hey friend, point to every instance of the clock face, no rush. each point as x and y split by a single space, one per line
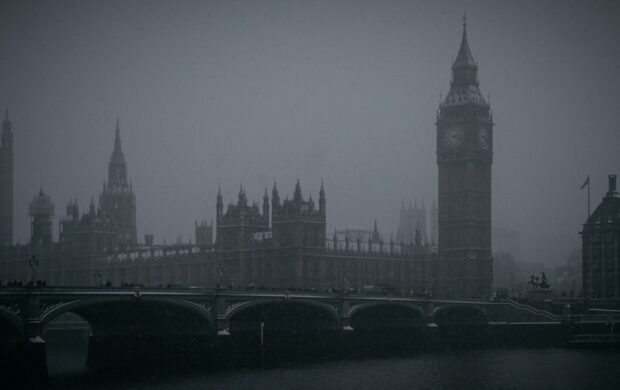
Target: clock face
453 137
483 138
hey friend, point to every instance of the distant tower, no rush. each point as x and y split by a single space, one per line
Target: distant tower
238 227
117 201
6 183
296 223
434 225
464 157
322 201
266 204
411 218
601 247
41 210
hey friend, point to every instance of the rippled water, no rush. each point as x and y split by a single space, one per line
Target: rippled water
474 369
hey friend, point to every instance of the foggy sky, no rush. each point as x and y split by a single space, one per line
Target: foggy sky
231 92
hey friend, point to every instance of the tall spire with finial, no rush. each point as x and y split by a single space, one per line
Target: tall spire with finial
117 168
117 137
464 68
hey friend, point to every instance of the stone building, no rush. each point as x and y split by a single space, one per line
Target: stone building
41 210
297 222
464 157
412 219
111 225
202 232
238 225
601 247
89 233
6 182
118 201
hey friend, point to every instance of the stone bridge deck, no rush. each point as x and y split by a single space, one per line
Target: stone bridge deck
29 309
116 315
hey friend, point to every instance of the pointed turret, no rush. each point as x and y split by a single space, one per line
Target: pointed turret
464 56
219 207
266 203
322 201
242 198
464 69
117 168
275 198
376 237
117 138
297 197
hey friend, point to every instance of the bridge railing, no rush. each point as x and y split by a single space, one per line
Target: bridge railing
531 310
95 289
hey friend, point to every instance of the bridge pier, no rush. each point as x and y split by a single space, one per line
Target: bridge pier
345 319
220 316
429 310
35 373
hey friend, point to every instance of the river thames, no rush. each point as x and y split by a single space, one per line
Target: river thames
544 368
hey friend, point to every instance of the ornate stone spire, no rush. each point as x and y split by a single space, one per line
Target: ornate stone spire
117 138
117 167
464 57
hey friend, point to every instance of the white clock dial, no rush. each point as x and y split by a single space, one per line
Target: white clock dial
454 137
483 138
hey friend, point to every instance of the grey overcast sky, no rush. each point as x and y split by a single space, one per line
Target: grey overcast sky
235 92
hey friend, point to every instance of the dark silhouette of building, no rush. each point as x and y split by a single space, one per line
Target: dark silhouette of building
601 247
110 226
297 222
89 233
237 227
464 157
41 210
6 183
203 233
117 201
411 220
434 226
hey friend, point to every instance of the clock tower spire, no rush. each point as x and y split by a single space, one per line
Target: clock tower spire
464 158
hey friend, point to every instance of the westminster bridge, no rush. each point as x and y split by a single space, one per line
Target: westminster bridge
122 316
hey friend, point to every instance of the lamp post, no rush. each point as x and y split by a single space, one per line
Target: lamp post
33 263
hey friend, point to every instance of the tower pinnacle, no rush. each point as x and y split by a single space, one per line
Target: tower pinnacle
117 137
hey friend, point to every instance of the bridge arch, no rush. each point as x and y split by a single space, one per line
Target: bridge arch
388 327
242 306
279 329
11 324
405 307
78 305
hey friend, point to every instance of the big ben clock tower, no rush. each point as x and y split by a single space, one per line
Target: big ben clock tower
464 157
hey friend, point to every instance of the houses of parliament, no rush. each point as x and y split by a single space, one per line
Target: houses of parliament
281 242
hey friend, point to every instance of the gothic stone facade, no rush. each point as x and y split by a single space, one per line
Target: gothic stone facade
464 157
112 225
601 247
6 183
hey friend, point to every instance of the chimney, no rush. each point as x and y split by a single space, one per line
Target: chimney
612 185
